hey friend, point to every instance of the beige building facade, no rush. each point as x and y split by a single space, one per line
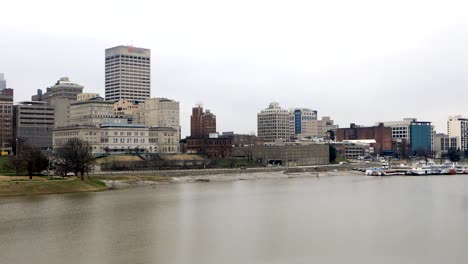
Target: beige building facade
124 107
273 124
319 128
159 112
86 96
120 138
93 113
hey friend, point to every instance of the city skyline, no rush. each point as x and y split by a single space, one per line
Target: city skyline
372 69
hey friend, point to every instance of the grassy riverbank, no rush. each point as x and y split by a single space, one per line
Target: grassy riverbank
21 185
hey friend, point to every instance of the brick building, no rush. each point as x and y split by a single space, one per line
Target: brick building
211 147
203 136
381 134
202 123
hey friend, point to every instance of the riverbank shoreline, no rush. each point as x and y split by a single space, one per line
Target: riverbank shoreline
116 182
21 185
39 185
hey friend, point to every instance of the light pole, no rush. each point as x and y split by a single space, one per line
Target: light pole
16 153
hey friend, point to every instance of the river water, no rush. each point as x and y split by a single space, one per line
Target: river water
335 219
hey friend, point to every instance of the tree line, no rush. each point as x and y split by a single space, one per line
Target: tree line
74 156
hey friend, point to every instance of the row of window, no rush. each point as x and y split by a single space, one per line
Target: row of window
127 57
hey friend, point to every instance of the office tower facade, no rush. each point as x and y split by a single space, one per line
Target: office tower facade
2 81
202 123
273 123
421 136
6 119
457 126
128 73
34 122
300 119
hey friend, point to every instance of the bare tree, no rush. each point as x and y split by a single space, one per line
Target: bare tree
33 160
75 155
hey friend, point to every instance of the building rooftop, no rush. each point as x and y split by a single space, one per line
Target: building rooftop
32 103
123 125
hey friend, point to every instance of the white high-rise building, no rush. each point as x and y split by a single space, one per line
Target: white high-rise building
2 81
273 123
128 73
457 126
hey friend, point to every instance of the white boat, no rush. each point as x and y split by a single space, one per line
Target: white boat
420 170
375 172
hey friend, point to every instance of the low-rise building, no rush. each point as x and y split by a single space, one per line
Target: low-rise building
442 143
381 134
212 146
120 138
353 149
33 122
241 140
286 154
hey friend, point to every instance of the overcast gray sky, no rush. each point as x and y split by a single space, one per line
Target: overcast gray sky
356 61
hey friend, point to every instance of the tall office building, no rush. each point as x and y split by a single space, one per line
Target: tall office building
202 123
128 73
300 119
273 123
457 126
33 122
6 119
2 81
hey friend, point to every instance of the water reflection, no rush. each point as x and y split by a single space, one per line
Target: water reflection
301 220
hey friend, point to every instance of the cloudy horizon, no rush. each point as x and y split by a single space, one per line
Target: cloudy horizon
359 62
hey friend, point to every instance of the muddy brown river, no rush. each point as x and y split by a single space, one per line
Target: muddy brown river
333 219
